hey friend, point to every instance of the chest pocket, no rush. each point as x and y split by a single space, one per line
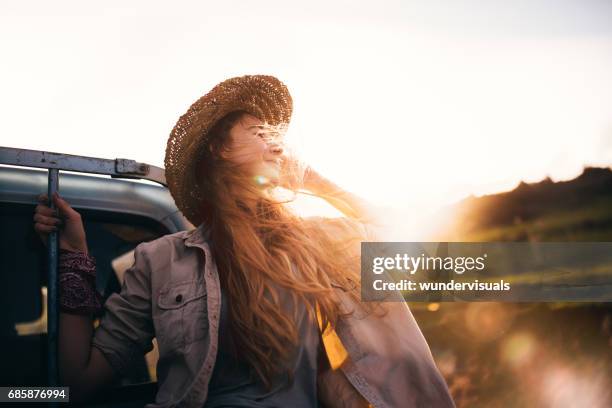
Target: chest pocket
182 314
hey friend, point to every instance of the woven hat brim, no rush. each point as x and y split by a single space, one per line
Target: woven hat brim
263 96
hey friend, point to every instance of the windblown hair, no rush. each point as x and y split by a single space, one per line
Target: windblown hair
260 248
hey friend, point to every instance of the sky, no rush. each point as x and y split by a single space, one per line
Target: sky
411 104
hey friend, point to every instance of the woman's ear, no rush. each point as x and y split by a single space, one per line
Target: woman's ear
218 151
223 152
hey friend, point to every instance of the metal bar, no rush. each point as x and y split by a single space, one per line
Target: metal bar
52 288
119 168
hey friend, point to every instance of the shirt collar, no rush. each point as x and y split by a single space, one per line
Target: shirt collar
198 236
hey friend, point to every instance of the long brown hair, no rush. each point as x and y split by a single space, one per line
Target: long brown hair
259 248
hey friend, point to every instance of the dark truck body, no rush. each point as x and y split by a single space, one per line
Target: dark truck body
118 215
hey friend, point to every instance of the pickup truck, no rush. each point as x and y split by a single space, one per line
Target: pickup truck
118 215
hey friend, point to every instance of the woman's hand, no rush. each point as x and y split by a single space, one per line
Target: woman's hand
65 220
291 171
295 174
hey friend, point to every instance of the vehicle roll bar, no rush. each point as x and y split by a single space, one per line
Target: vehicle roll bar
54 162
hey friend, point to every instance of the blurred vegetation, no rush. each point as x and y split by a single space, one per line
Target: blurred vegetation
591 222
567 211
527 354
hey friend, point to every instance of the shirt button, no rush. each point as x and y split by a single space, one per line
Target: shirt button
179 298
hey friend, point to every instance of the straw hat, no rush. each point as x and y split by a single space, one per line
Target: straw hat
263 96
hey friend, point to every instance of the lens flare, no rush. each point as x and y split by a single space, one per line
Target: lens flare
487 321
262 180
564 387
518 349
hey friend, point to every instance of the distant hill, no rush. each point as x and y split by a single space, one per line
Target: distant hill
578 209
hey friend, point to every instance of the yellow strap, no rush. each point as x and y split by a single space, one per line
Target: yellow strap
336 353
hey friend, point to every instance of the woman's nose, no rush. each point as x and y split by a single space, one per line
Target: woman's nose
275 148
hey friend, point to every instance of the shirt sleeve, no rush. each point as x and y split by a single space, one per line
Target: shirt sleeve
126 328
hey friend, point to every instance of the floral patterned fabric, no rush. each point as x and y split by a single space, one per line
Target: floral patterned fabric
77 284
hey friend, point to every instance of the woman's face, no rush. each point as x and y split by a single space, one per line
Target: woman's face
252 148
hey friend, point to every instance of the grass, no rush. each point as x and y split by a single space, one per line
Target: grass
589 223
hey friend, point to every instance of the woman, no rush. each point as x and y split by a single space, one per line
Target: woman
257 307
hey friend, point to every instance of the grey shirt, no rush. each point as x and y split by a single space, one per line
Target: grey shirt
172 292
232 385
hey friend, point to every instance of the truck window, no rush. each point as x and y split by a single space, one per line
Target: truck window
23 282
